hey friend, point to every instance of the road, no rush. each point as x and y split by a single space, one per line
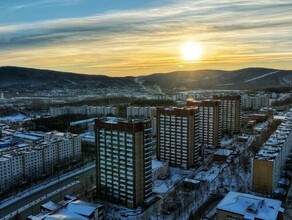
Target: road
34 196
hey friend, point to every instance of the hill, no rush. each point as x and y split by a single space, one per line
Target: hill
249 78
37 78
47 80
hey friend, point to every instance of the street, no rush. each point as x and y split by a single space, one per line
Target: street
22 200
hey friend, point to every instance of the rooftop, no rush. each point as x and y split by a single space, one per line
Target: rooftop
250 206
273 146
70 210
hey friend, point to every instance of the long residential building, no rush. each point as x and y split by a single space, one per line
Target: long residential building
210 121
178 136
231 112
101 111
269 162
255 101
25 162
124 161
140 112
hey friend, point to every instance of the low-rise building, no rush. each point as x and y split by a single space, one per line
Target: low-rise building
69 208
239 206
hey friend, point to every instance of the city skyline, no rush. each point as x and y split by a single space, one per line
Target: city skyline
137 37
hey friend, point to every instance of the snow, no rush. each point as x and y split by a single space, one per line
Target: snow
212 173
223 152
176 175
191 181
262 76
82 208
241 203
50 206
279 117
88 136
14 118
42 186
259 127
157 164
85 121
66 214
163 186
114 211
226 141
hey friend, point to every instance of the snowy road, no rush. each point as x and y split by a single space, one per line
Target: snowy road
38 200
29 196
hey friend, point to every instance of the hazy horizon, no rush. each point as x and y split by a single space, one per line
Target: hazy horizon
132 38
146 74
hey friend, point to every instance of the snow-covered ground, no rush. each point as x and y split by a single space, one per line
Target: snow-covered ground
176 175
163 186
114 211
211 174
226 141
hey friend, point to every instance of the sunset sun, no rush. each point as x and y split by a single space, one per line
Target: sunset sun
191 51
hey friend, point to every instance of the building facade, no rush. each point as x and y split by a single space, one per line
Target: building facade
26 162
124 161
269 162
140 112
231 112
178 136
255 101
210 120
101 111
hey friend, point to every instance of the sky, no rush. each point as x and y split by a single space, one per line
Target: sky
138 37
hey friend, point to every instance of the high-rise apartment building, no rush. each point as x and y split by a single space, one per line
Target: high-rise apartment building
178 138
124 161
231 112
210 121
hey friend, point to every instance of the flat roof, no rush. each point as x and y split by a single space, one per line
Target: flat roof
250 206
223 152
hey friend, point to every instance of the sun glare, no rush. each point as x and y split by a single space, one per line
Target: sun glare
191 51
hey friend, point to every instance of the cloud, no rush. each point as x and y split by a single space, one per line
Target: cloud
45 3
231 32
